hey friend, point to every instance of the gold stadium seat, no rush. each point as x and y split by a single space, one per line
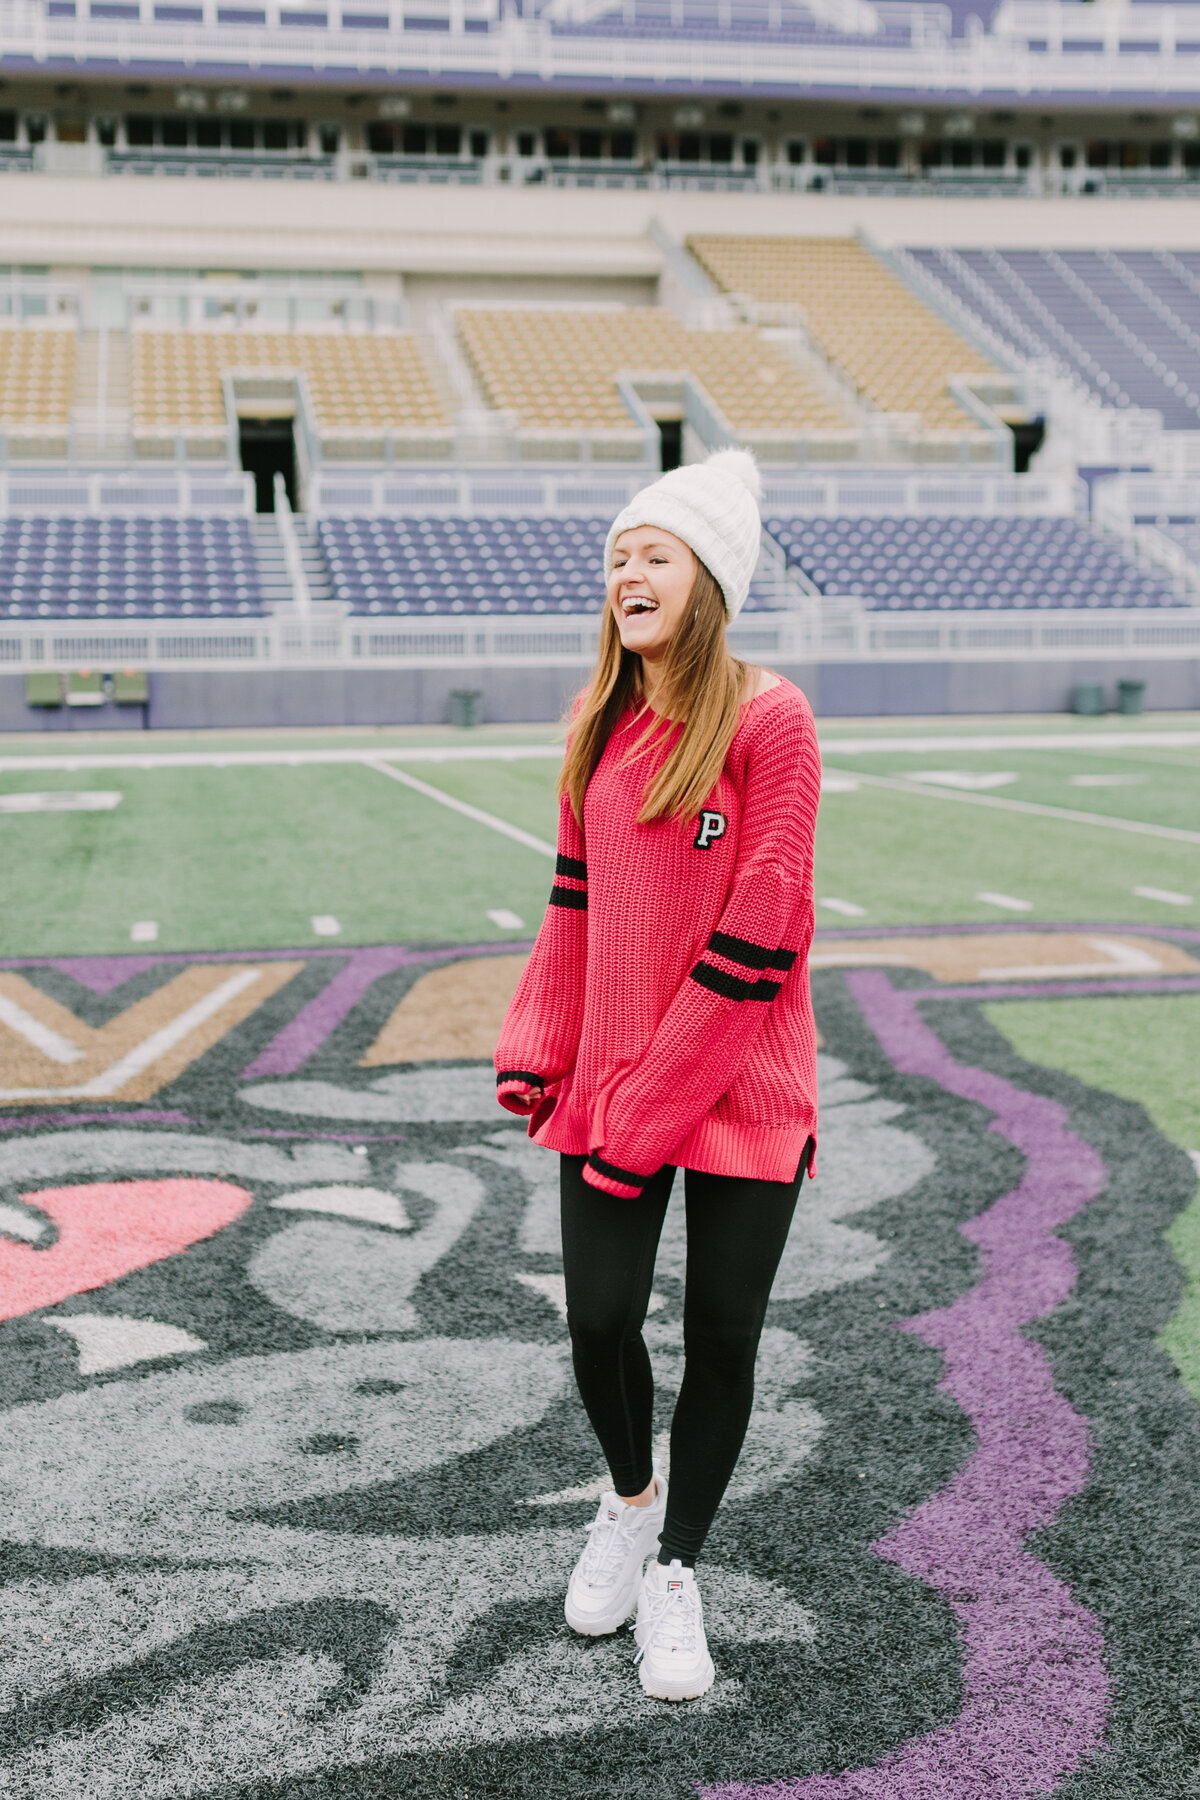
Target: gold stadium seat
37 376
557 369
896 352
375 383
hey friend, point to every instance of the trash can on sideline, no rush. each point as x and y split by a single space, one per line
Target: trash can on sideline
465 707
1131 696
1087 697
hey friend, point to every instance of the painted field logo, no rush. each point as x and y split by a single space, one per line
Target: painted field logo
713 825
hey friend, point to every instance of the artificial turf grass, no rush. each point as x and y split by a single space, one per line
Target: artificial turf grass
1143 1048
243 858
1129 1544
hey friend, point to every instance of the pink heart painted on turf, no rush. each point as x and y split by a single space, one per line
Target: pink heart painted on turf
107 1229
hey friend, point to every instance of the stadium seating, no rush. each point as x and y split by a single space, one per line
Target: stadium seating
363 382
1125 324
896 352
37 376
127 567
940 564
557 369
431 565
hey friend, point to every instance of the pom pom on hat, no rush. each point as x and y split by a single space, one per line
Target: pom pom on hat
713 507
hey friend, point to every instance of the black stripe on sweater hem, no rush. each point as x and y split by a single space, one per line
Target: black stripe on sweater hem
571 865
565 896
750 954
520 1075
734 987
625 1176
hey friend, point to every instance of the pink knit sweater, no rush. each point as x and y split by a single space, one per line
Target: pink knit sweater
665 1008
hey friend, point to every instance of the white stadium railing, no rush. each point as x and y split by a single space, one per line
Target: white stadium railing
1036 47
828 630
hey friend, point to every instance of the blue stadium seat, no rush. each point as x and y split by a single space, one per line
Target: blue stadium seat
433 565
120 567
1126 325
976 564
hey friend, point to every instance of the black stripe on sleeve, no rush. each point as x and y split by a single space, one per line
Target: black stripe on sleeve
565 896
520 1075
571 865
614 1174
734 987
750 954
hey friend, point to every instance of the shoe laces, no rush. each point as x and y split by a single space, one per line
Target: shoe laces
674 1622
607 1546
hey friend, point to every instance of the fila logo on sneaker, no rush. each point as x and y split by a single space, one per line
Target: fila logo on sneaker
712 826
673 1587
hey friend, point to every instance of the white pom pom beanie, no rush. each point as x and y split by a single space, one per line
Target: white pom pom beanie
713 507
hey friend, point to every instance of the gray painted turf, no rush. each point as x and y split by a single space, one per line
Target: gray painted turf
302 1562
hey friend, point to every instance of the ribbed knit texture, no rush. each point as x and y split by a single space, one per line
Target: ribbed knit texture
665 1008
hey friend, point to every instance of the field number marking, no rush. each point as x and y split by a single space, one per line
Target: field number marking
970 782
847 908
902 784
1008 902
325 925
144 931
505 919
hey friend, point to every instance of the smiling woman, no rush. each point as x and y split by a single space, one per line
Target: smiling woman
664 1022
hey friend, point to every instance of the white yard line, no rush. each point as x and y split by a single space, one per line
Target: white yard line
899 784
51 1043
452 753
282 759
110 1080
1029 740
468 812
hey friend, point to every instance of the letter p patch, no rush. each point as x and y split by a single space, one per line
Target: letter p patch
712 827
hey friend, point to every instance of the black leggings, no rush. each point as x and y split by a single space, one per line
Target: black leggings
736 1230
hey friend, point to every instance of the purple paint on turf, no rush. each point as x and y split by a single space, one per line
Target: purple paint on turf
33 1120
102 973
1051 990
1034 1681
339 1137
291 1049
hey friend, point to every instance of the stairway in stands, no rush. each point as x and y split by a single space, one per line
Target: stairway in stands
272 561
100 415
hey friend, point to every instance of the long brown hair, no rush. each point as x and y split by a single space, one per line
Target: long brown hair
701 690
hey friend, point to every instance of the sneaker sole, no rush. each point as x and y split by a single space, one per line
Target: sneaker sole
679 1690
603 1624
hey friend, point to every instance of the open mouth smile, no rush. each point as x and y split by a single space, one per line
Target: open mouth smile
638 603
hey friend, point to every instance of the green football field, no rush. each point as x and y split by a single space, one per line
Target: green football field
917 822
292 1468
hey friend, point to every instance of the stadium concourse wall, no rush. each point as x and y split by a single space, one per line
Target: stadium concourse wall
496 241
203 699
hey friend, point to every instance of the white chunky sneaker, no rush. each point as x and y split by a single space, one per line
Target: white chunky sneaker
672 1659
603 1589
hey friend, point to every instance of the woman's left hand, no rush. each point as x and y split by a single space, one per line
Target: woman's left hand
521 1097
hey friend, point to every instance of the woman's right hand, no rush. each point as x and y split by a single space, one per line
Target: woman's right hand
520 1096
